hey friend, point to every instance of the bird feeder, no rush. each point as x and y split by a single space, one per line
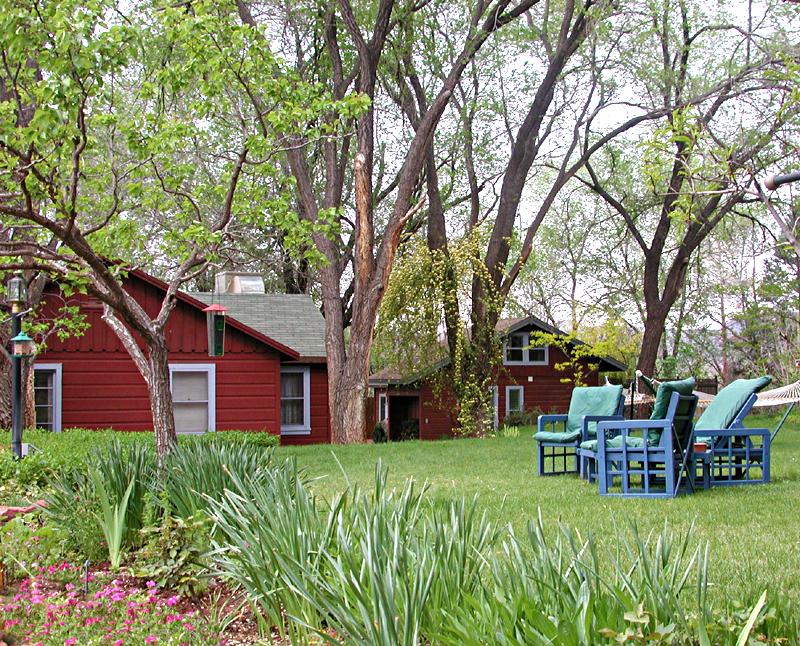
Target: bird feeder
22 346
215 324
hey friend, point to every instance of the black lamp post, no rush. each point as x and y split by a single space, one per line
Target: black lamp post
17 297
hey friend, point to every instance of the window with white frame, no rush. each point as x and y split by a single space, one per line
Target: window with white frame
517 351
515 399
47 396
296 400
383 407
193 388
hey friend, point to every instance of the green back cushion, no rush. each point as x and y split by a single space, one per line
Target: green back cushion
728 402
663 395
594 400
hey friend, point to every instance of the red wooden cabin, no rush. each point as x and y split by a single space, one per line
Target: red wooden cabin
272 377
526 381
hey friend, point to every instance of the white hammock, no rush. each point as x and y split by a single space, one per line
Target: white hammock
780 396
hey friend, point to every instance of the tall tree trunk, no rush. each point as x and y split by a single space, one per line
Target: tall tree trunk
154 368
651 341
158 388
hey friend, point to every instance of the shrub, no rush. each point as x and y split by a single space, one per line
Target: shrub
75 502
173 555
518 418
263 439
379 433
409 430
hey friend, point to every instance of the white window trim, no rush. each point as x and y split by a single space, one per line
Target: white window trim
384 400
305 427
57 369
526 341
211 370
521 398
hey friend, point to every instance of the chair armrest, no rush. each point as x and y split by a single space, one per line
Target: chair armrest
623 428
587 419
731 432
633 424
550 419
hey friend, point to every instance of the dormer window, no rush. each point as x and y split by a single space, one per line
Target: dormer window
516 351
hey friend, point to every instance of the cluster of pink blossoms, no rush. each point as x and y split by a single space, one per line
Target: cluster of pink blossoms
115 612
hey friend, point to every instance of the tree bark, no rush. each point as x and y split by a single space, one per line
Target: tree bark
158 388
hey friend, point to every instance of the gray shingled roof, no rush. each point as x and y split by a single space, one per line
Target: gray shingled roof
290 319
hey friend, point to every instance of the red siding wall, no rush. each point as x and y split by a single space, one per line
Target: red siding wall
320 428
102 388
545 392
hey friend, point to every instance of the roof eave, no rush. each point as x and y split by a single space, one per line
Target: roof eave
233 322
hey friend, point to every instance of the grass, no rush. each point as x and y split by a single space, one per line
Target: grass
753 530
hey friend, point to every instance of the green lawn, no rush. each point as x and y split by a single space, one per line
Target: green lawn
754 531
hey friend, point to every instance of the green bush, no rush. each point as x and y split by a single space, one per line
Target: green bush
379 433
173 555
518 418
74 501
263 439
60 452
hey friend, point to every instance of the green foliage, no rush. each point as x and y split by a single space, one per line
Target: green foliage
173 555
518 418
112 516
199 472
581 358
103 497
263 439
61 452
425 291
379 433
397 567
27 545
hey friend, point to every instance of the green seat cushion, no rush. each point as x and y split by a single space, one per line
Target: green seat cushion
728 402
561 438
616 443
592 400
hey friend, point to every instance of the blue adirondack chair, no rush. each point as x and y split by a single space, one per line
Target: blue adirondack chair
647 458
587 449
558 436
734 454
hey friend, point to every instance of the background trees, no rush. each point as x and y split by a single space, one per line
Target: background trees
574 160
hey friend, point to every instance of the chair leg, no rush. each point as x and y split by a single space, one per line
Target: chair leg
540 461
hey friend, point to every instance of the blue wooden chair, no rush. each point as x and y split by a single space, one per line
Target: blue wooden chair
734 454
647 458
587 449
558 436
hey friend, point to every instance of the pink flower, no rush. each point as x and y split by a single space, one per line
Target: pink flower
172 601
150 639
151 584
70 641
117 643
